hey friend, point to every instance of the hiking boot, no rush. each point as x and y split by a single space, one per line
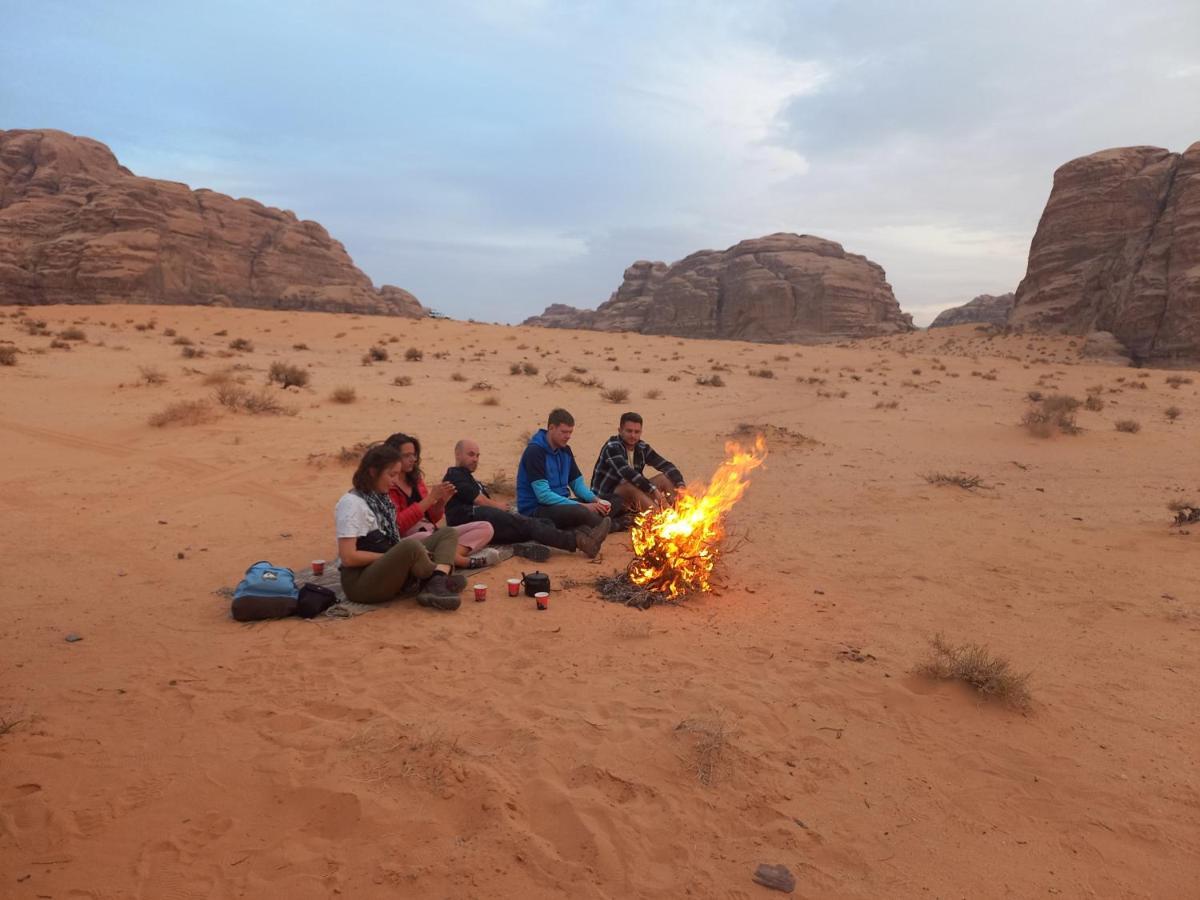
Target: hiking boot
589 540
437 592
532 550
490 556
457 582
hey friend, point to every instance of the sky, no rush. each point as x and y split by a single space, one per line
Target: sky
496 157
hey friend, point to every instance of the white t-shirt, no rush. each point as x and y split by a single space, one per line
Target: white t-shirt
352 517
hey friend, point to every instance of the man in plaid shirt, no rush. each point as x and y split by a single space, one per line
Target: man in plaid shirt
618 470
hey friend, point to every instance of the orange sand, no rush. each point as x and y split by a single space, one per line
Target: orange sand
501 752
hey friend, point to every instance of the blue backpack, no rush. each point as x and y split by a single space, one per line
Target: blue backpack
267 592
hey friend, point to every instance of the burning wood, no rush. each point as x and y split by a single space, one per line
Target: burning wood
677 546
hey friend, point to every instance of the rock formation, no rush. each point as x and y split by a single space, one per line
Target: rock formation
78 227
779 288
986 309
1118 249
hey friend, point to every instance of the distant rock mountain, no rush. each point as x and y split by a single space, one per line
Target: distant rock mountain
1118 250
78 227
986 309
779 288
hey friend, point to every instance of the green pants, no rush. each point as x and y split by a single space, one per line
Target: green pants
414 558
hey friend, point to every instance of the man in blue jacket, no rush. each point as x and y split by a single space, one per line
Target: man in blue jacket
548 476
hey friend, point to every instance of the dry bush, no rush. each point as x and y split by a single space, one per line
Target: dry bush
288 375
378 353
1139 385
219 377
242 345
966 482
151 376
974 665
653 394
1176 381
491 400
301 346
182 341
184 412
1128 426
59 345
710 740
1171 412
8 355
189 352
672 378
343 394
501 484
762 373
482 386
414 354
402 380
261 403
1056 412
615 395
528 368
1093 403
72 334
887 404
1187 512
710 380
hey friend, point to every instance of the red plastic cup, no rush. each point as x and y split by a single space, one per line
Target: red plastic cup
480 593
514 586
543 600
318 566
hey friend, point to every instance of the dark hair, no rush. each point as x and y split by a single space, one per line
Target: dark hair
629 417
377 458
398 440
560 417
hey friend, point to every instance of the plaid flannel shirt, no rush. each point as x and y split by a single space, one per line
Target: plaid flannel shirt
613 467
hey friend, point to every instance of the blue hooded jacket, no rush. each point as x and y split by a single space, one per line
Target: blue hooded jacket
546 476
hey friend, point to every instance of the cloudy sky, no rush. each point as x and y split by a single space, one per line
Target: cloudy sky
495 157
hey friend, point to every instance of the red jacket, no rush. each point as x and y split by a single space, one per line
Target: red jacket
408 514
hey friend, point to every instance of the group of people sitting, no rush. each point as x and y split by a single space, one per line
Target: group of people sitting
392 541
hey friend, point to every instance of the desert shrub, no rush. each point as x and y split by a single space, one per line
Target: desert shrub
1035 396
264 403
579 370
762 373
288 375
1056 412
653 394
551 379
887 404
378 353
343 394
182 341
1093 403
59 345
183 412
36 328
300 346
192 352
672 378
1187 512
72 334
1129 426
974 665
222 333
1139 385
482 386
615 395
966 482
402 380
514 368
242 345
1171 412
414 354
528 368
169 332
491 400
710 380
151 376
1177 381
458 376
8 355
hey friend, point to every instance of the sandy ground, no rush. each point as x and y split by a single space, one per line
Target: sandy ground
593 750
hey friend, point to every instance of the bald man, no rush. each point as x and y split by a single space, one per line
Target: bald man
530 537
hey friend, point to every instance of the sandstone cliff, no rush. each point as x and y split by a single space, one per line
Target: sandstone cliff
1118 249
986 309
78 227
784 287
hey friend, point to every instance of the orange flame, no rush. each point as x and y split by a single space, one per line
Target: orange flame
677 546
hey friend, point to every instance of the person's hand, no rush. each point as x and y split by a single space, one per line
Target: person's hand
595 507
442 491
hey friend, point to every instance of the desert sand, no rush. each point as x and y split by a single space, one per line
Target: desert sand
593 750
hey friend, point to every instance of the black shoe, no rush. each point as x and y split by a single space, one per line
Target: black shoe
531 550
457 582
439 594
588 542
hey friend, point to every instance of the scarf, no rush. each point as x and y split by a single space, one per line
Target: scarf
381 505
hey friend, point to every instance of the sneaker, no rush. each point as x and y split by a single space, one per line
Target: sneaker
437 592
532 550
589 540
490 556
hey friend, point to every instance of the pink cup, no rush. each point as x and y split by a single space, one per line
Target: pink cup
514 586
480 593
543 600
318 566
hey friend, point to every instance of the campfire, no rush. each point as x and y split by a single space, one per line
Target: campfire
677 546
